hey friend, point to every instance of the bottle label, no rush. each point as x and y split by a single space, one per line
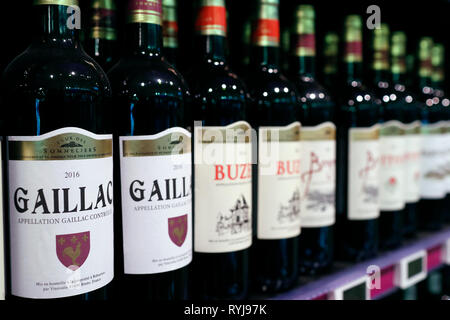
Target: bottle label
413 141
2 251
279 182
363 173
61 213
103 20
211 19
432 184
223 188
267 32
170 27
155 175
145 11
392 169
318 175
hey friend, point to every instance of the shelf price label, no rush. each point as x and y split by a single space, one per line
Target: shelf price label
358 289
411 269
446 252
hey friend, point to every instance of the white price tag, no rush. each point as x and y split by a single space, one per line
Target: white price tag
446 252
355 290
411 269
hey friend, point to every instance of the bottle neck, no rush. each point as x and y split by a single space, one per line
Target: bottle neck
103 21
211 47
265 56
56 25
353 67
144 39
305 65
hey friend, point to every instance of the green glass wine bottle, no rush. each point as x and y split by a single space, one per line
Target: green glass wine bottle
318 150
60 166
358 150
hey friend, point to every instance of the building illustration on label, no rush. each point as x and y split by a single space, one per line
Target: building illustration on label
289 212
178 227
237 221
73 249
317 200
370 191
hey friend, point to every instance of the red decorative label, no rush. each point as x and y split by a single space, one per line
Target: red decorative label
267 32
211 20
73 249
178 229
353 51
306 44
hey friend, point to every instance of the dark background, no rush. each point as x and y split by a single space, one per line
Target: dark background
424 18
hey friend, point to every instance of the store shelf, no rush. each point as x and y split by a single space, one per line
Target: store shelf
431 245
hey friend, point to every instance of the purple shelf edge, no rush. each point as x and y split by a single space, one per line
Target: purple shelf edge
335 280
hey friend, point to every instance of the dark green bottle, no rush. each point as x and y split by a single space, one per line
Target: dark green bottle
411 120
222 186
330 75
153 154
276 180
102 42
318 150
443 103
392 182
170 31
56 100
432 188
357 155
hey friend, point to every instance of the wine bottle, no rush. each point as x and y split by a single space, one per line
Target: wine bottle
154 196
358 152
318 151
222 164
413 141
432 183
330 65
276 178
392 182
170 31
60 166
442 102
102 37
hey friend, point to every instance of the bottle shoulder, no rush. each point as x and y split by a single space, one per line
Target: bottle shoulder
53 68
144 76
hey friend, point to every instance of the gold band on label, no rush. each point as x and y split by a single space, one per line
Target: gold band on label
413 128
213 3
66 146
290 133
331 47
305 26
351 57
435 128
145 16
170 42
103 33
361 134
235 133
171 144
56 2
326 131
212 30
305 52
392 129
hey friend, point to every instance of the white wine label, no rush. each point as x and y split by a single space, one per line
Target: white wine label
392 169
279 182
61 213
155 173
223 188
2 248
413 141
432 183
363 173
318 175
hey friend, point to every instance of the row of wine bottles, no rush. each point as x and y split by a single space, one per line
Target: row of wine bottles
141 184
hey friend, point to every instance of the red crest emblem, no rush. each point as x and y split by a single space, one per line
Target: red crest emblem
73 249
178 229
